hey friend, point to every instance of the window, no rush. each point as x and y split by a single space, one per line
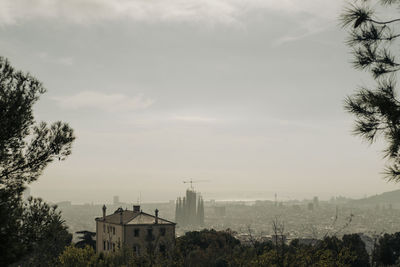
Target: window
113 247
108 245
136 249
149 232
108 229
104 245
162 249
136 232
162 231
113 230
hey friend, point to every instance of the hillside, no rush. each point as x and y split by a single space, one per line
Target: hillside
392 197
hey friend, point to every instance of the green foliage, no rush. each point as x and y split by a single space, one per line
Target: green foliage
220 248
44 233
86 239
328 252
34 233
75 257
374 43
207 247
26 147
31 233
11 210
387 250
354 243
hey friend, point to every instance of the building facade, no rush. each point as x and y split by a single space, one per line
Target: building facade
143 232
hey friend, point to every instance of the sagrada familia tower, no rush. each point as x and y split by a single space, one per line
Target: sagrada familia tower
189 210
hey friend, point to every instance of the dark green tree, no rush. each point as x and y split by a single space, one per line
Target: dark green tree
86 239
43 234
11 210
355 244
26 148
374 42
387 250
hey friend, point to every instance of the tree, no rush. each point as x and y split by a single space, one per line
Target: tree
86 239
355 244
73 256
205 248
11 210
374 41
44 234
387 251
26 148
278 228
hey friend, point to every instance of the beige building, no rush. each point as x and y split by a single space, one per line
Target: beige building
141 231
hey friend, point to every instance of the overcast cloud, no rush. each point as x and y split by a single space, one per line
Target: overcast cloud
203 11
103 101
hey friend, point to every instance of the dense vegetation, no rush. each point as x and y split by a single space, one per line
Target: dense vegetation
221 248
32 233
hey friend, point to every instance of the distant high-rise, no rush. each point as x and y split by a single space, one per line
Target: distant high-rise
316 202
200 212
310 206
189 210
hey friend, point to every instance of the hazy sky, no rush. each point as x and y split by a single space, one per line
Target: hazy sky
247 94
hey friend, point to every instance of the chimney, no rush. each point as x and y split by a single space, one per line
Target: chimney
136 208
104 212
156 212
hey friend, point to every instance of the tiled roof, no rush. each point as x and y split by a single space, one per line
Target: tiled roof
127 215
144 218
131 217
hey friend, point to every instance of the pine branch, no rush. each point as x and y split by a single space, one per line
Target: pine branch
382 22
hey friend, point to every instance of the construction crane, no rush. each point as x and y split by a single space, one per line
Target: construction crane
191 181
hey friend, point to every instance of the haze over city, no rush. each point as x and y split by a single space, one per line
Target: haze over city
245 94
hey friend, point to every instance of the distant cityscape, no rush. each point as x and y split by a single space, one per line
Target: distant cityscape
304 219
